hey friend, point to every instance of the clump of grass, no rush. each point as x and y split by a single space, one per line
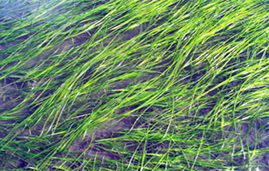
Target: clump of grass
135 85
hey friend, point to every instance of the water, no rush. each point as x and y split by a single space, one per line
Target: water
16 10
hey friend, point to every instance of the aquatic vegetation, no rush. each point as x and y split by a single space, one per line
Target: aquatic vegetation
134 85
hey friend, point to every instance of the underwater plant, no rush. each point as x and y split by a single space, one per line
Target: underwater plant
134 85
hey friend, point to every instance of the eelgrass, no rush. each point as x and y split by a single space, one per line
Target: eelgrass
135 85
